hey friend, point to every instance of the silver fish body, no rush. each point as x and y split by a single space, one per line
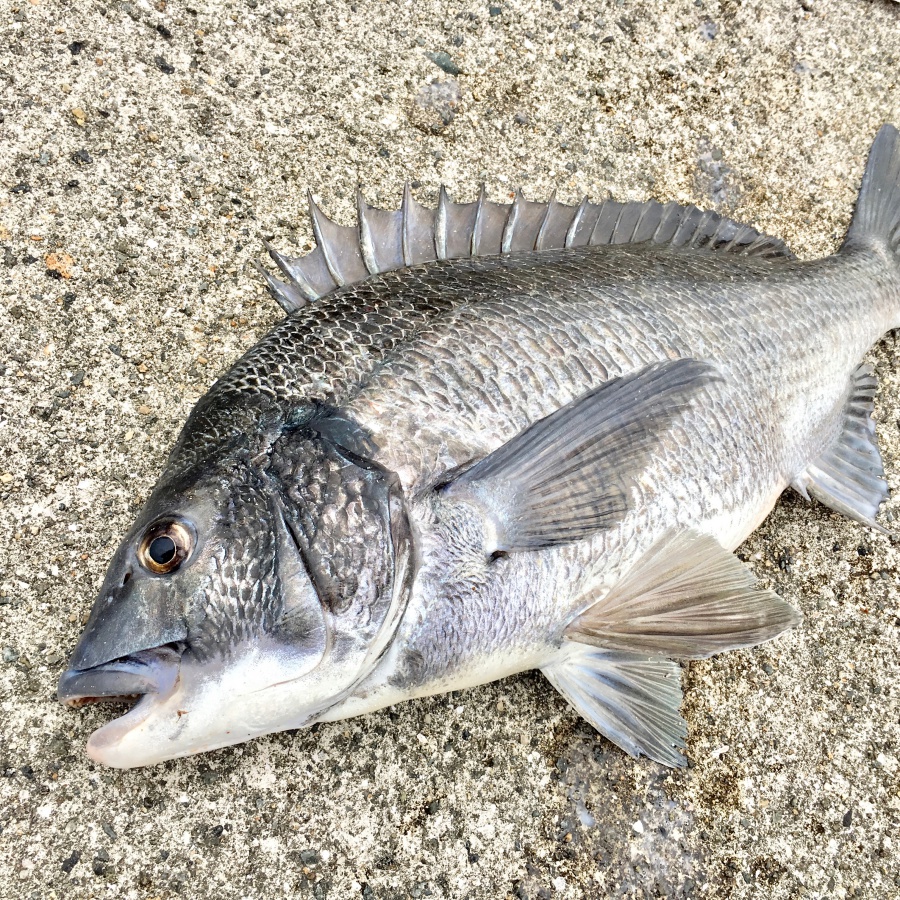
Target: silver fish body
440 474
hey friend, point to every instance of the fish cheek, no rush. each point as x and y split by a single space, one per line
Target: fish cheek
231 598
303 638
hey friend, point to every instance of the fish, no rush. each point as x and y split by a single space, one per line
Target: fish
490 438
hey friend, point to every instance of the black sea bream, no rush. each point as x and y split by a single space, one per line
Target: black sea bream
490 438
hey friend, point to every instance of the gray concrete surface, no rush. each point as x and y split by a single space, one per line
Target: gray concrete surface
145 151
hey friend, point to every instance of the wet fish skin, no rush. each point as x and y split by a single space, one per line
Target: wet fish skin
389 498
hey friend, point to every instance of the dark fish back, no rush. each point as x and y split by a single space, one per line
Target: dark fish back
326 351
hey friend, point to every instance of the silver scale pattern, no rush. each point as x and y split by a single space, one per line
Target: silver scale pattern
444 361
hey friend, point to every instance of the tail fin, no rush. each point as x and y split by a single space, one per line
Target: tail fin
877 216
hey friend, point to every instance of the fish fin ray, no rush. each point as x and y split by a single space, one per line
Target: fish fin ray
630 698
385 240
573 472
877 215
687 598
849 476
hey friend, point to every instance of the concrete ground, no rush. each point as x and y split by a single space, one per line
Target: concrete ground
146 149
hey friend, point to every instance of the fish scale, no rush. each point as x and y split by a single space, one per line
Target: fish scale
338 340
591 338
431 476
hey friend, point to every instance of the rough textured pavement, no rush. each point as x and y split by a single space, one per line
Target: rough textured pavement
146 149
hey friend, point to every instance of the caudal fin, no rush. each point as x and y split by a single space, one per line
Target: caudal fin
877 216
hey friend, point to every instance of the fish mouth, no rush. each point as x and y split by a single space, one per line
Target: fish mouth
140 680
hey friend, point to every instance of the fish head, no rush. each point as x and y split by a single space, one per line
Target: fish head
254 592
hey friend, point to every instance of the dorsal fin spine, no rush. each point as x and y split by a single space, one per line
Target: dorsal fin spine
318 232
668 224
289 296
760 244
684 226
295 278
511 219
697 233
404 228
576 221
645 213
605 225
479 222
616 234
384 240
551 204
366 241
440 225
735 241
705 236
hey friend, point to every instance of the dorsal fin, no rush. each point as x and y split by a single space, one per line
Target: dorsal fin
385 240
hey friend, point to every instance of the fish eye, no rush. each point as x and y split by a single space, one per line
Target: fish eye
165 547
162 550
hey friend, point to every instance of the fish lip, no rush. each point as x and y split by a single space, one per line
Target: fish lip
150 675
107 738
141 674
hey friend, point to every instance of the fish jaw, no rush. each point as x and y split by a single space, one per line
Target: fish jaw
166 726
199 705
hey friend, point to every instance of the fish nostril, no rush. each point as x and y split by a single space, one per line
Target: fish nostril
127 578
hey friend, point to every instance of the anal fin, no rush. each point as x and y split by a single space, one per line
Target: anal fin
630 698
687 597
849 476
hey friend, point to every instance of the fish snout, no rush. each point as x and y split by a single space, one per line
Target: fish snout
128 619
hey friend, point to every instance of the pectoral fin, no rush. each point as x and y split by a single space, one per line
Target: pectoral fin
572 473
849 476
687 597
